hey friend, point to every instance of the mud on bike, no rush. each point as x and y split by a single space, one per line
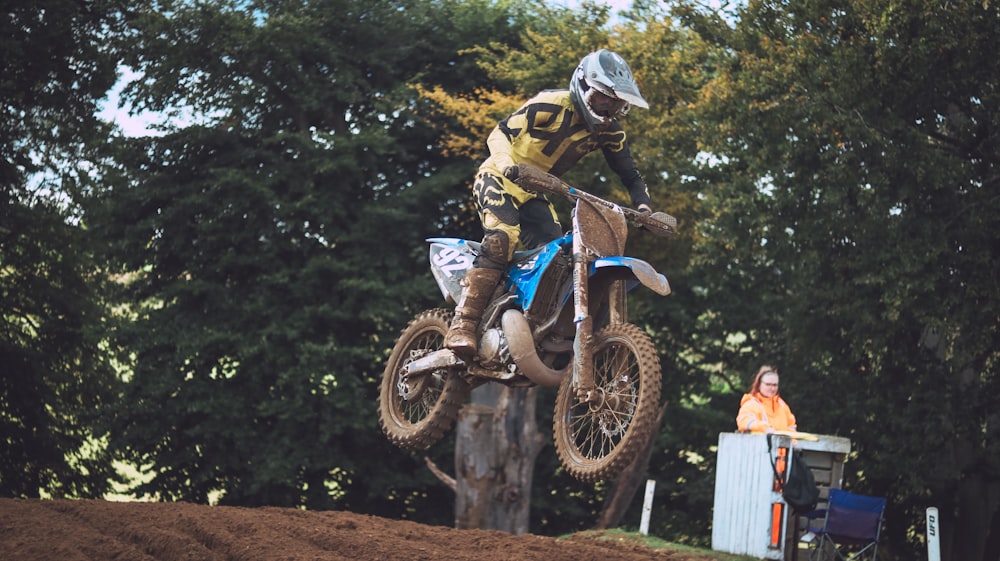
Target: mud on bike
556 319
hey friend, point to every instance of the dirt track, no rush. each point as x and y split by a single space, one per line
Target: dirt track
63 530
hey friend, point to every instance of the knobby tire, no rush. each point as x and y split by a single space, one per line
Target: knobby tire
423 418
595 443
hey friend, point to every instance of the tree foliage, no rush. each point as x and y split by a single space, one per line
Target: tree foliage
56 67
55 377
856 173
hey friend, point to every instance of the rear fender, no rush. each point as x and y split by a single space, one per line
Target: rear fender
635 269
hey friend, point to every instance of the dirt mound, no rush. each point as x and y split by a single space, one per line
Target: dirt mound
67 530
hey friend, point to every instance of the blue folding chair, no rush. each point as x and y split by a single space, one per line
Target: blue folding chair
851 528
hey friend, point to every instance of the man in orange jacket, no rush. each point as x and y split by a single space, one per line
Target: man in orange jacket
762 410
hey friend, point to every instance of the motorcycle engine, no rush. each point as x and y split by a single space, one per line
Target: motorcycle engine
493 349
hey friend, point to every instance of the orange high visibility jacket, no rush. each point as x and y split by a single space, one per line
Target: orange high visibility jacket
757 413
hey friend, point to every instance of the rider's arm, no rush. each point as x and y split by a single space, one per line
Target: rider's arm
620 159
501 149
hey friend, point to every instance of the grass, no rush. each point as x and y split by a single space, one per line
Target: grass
653 542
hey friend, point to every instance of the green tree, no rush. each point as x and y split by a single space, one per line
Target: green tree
854 179
56 68
272 250
55 376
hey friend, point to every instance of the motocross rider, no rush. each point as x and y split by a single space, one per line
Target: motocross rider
552 131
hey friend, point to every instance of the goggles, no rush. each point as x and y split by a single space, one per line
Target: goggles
604 105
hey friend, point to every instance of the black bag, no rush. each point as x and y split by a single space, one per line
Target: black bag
798 488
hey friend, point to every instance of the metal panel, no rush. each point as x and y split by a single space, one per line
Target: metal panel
741 522
744 491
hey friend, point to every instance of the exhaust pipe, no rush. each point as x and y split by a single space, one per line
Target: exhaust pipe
522 351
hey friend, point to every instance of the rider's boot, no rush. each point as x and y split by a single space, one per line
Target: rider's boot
461 337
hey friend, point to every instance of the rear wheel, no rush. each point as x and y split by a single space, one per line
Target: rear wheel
596 439
415 412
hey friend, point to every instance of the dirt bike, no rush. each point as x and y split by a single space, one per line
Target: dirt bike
539 330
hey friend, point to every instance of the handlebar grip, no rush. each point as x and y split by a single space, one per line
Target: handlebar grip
661 224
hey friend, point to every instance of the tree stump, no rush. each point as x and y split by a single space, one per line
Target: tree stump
497 442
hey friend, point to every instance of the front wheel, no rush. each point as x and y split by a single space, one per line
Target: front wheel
414 413
597 438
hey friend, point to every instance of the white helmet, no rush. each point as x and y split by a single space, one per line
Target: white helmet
603 87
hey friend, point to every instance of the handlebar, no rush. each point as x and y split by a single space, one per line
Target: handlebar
534 179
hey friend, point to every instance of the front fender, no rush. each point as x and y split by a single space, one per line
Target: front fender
639 269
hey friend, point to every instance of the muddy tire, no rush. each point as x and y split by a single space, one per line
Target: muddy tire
595 442
414 414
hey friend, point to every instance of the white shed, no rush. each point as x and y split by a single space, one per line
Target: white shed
749 515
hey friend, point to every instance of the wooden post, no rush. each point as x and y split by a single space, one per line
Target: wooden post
647 507
933 537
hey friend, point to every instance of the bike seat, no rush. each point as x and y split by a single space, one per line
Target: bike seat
519 256
526 254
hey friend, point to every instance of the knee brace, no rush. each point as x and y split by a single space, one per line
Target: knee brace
495 252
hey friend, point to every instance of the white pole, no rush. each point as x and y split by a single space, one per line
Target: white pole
647 507
933 535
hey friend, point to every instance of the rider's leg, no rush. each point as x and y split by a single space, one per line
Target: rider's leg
498 212
539 223
480 282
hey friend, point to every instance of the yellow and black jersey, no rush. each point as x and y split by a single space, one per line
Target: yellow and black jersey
546 132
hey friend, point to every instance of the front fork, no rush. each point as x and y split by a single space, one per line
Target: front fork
583 344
